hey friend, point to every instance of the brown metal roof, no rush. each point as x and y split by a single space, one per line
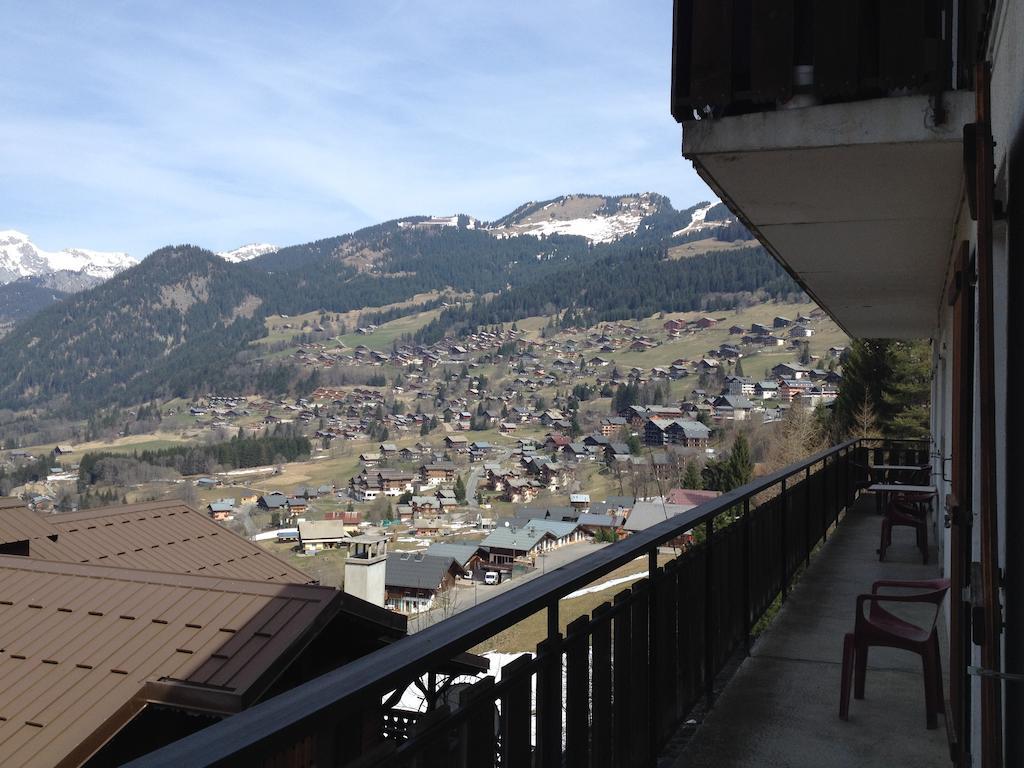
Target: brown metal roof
83 647
159 536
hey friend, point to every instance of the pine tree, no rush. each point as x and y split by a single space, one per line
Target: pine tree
460 490
740 465
692 478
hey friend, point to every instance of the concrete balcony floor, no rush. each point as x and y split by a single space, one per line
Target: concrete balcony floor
781 707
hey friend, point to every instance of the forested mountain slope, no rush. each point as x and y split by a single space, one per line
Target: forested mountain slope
178 323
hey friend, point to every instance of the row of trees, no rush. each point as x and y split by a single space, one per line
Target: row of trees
284 444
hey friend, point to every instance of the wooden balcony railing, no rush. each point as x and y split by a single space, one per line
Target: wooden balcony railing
736 56
610 691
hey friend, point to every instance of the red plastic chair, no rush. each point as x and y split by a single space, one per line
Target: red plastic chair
879 627
910 511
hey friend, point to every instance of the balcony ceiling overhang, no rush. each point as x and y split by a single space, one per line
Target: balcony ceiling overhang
858 200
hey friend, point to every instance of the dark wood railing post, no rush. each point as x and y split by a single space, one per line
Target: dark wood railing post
601 682
709 635
808 539
515 713
477 743
783 548
746 574
653 712
577 693
549 701
621 704
641 683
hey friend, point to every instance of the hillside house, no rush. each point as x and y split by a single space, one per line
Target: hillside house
791 371
732 407
683 432
318 535
221 510
413 580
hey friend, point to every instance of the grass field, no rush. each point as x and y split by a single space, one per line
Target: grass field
127 444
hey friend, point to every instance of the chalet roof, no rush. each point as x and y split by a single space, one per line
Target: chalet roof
648 513
521 539
90 645
461 553
689 496
418 570
163 536
316 530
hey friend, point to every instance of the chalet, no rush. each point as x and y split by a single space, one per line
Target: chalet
612 425
790 388
734 407
555 442
674 325
706 322
676 432
598 361
318 535
597 523
478 449
757 329
412 580
395 482
736 330
614 450
456 443
579 501
781 322
576 452
551 416
836 352
739 385
438 473
791 371
388 450
707 364
408 454
369 459
272 501
221 510
729 352
424 506
800 332
766 390
296 505
506 544
62 449
521 490
470 556
446 498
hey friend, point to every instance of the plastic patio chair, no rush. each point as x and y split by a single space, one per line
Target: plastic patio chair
910 510
879 627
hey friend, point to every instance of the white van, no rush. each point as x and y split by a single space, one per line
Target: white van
492 577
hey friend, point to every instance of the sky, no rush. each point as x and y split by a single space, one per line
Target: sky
130 125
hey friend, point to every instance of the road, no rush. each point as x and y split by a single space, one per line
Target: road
472 481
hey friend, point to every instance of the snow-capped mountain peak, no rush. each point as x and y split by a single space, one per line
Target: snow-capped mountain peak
597 218
247 252
20 257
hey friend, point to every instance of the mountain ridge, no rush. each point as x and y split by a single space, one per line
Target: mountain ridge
180 322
